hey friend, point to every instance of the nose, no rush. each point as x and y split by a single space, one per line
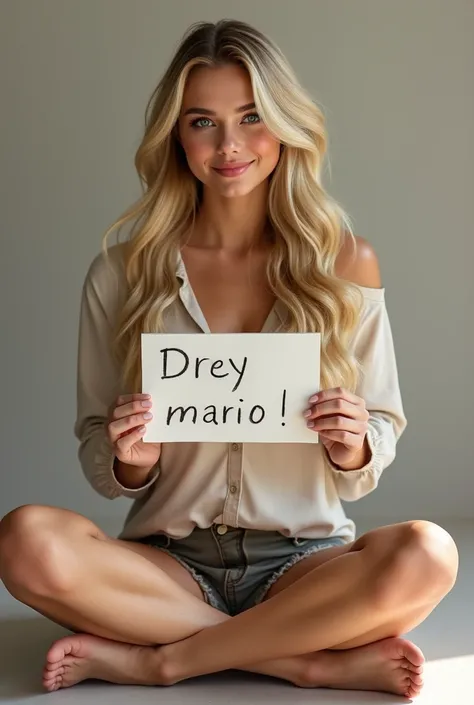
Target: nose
229 141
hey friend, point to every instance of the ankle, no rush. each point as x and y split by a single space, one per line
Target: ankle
317 668
152 663
166 665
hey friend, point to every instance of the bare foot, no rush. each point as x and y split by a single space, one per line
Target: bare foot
392 665
80 657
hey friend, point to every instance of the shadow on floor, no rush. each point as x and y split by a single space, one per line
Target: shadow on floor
23 644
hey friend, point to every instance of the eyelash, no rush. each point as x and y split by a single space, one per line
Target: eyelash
200 127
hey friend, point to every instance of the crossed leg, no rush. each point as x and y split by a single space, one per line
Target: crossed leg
342 599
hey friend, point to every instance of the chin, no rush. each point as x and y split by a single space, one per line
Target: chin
236 191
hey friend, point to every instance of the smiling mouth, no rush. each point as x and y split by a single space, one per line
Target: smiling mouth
233 170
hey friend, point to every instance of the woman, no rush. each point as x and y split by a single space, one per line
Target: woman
233 556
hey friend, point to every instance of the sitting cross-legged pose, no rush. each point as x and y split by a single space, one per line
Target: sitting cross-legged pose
233 555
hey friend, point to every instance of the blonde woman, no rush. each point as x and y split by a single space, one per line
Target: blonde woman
233 556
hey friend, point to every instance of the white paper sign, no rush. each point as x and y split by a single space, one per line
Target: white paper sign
230 387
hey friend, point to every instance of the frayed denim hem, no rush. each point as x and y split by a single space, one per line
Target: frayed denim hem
206 588
262 591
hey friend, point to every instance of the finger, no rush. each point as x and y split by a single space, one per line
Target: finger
130 408
352 440
337 407
336 393
123 401
127 425
124 443
127 398
338 423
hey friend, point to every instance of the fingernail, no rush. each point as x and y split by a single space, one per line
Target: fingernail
148 415
307 413
310 424
146 404
313 398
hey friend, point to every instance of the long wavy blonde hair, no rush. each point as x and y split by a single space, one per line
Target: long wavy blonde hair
309 226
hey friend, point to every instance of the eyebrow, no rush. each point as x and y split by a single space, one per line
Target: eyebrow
205 111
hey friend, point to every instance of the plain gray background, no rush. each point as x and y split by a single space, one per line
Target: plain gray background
395 81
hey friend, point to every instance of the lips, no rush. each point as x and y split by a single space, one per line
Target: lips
233 168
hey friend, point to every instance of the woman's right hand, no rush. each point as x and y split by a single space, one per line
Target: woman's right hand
126 427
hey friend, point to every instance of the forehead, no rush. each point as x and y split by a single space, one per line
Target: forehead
223 87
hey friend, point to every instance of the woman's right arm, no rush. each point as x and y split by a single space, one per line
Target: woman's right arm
98 383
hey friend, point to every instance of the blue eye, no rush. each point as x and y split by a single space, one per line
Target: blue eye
198 120
253 115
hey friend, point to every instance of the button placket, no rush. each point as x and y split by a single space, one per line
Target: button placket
234 483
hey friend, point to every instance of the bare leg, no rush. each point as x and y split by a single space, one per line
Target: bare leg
389 574
72 572
75 575
32 524
391 664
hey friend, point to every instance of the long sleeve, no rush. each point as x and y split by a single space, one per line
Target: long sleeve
97 376
379 387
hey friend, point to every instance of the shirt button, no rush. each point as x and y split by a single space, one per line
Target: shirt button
235 446
222 529
233 489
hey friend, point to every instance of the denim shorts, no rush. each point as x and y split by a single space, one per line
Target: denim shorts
235 568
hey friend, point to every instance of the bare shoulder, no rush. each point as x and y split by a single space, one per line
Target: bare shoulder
359 266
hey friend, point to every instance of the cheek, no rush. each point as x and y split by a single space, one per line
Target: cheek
198 149
267 147
197 152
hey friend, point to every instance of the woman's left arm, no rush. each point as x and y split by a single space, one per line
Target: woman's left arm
360 431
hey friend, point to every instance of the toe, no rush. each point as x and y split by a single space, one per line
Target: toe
48 666
410 686
51 665
59 650
416 679
412 692
413 653
409 666
414 689
68 646
51 675
51 684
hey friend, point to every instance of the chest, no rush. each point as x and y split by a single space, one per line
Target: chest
233 295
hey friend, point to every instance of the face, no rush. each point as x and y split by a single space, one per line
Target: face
227 145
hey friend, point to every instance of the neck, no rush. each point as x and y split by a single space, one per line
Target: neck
233 225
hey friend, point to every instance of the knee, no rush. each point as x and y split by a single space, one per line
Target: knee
432 552
422 563
32 551
15 527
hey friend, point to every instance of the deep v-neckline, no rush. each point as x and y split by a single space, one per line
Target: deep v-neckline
192 305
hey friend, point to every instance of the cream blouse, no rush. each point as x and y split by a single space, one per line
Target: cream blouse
290 488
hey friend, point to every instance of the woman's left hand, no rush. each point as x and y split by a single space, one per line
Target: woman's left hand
341 419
